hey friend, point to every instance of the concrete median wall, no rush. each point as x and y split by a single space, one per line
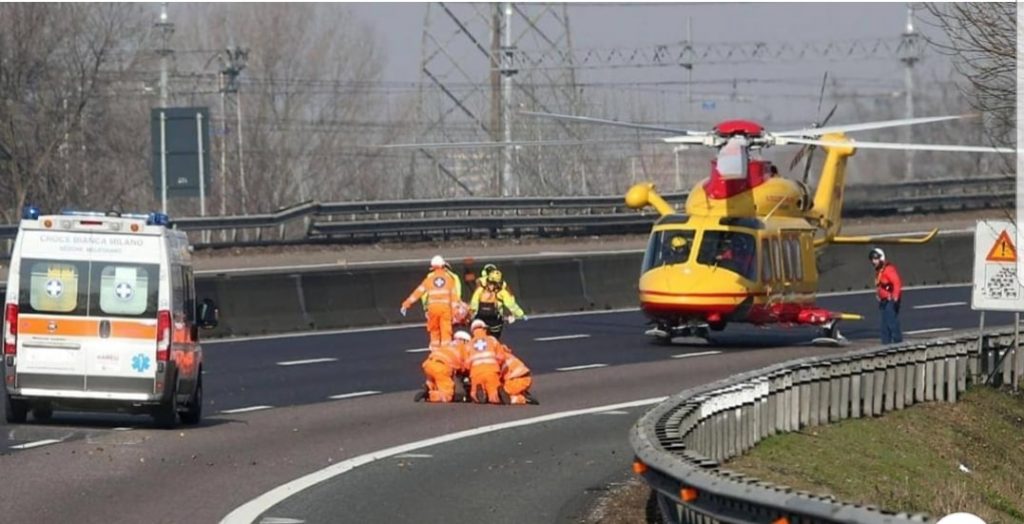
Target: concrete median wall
281 302
256 304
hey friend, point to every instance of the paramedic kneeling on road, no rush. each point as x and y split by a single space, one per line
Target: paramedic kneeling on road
890 292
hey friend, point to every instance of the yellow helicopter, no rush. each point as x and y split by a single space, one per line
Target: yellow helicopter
745 249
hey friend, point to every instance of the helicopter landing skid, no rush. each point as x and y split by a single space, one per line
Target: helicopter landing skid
830 335
665 335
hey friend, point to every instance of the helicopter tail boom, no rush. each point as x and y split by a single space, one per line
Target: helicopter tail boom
828 199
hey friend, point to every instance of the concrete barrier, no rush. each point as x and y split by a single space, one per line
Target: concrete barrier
283 301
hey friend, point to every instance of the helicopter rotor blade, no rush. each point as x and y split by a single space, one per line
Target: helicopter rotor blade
856 144
517 143
821 95
813 148
603 121
882 124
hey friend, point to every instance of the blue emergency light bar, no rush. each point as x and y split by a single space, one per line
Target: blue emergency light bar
152 219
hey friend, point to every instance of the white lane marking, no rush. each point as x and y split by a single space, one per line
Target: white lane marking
414 456
561 337
36 444
246 410
353 395
281 520
698 354
251 510
616 412
944 304
307 361
417 350
122 429
585 366
926 331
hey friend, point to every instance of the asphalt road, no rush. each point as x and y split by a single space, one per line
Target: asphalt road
96 473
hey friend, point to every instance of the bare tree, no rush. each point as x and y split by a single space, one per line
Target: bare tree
56 62
982 40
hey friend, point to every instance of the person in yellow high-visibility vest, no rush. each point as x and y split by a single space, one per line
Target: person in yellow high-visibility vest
490 301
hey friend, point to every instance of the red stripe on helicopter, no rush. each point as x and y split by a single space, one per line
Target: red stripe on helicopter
698 295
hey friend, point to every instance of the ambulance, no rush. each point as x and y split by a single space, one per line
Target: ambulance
101 314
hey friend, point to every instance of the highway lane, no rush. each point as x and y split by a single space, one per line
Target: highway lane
247 374
202 473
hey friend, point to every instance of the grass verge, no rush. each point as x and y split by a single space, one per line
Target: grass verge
933 458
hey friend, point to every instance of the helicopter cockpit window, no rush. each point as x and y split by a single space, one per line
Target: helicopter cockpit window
668 247
732 158
730 250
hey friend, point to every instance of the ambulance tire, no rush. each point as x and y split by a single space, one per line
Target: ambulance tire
165 415
16 411
42 412
194 411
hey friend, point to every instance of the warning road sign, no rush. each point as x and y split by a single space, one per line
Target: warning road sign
997 287
1002 250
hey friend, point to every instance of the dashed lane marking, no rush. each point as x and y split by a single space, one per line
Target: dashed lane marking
585 366
245 410
561 337
414 456
353 395
698 354
36 444
307 361
944 304
928 331
417 350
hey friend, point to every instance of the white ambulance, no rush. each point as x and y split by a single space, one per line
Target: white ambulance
101 314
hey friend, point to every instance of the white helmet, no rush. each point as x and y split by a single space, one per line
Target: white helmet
437 261
462 335
478 324
960 518
877 253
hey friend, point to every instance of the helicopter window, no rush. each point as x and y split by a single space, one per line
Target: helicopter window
736 252
668 247
766 262
732 158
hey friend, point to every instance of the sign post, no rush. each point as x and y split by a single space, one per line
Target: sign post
996 285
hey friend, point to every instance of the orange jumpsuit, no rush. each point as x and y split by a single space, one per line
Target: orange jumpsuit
439 367
440 287
515 378
486 356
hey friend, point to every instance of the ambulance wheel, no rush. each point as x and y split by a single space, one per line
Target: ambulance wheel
16 411
42 412
165 415
194 412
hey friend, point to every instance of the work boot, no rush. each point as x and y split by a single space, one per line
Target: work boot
503 397
481 395
421 395
531 400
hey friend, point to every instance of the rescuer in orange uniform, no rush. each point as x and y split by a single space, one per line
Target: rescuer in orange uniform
440 368
516 379
890 293
440 287
485 358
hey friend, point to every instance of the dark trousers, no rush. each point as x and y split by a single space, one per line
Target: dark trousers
891 333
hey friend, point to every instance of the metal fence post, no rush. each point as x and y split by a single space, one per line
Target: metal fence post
856 387
868 381
879 389
889 400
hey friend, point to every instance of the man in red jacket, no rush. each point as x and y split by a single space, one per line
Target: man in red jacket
890 293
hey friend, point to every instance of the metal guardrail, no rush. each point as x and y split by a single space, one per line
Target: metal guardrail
360 221
681 444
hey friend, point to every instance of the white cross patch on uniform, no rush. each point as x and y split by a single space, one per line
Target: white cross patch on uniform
124 291
54 288
480 345
439 282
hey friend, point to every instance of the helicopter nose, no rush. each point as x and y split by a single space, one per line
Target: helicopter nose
691 292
